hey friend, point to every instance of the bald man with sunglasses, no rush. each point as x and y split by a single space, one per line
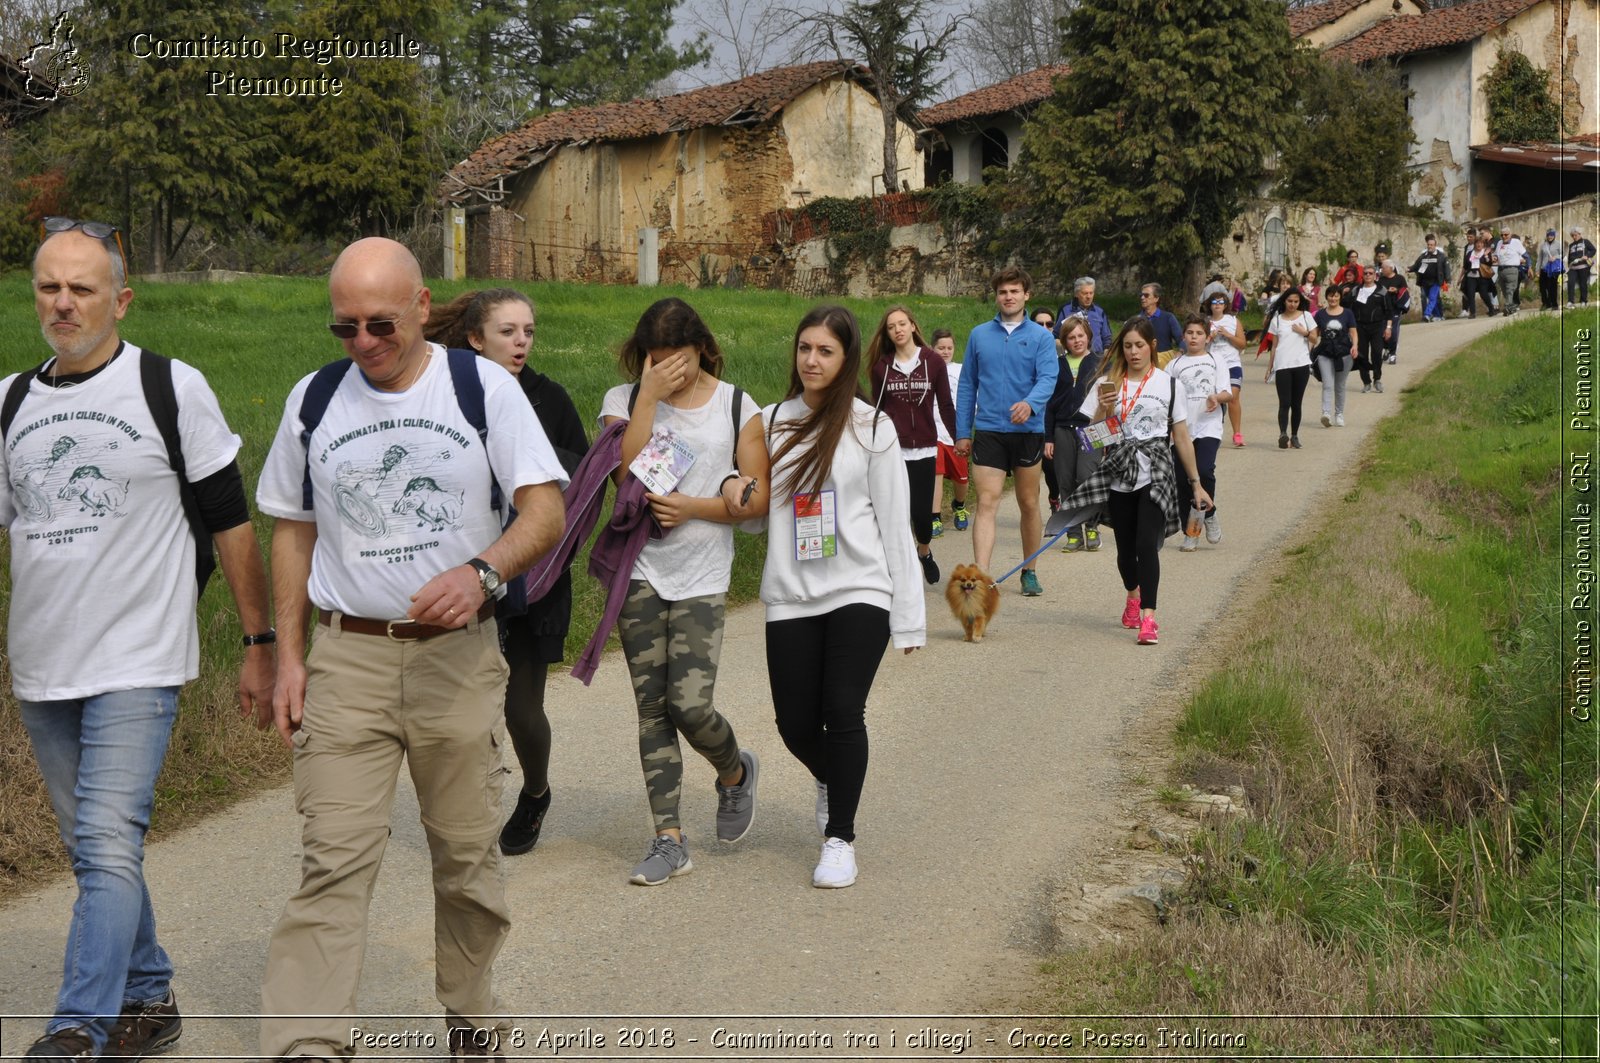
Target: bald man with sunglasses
386 522
104 582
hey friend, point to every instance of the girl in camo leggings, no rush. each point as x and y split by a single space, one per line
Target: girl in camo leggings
671 623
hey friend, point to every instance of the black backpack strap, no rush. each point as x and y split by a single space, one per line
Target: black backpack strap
469 396
14 396
738 407
155 376
313 404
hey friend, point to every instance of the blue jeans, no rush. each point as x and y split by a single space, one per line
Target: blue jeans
100 756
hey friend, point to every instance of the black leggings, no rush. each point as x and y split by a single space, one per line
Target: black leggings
821 669
526 721
920 475
1292 392
1140 528
1369 359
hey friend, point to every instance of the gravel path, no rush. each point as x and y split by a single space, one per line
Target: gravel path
992 778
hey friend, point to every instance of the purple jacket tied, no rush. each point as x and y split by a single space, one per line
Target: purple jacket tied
615 550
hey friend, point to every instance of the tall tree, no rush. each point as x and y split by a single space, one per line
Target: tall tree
744 37
1148 148
1352 144
1010 37
902 43
359 163
144 144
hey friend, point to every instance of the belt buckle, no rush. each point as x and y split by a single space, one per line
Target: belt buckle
388 631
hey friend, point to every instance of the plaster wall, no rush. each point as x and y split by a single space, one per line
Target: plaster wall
966 145
1531 224
1441 118
835 134
1353 22
1310 230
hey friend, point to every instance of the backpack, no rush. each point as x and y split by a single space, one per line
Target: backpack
155 378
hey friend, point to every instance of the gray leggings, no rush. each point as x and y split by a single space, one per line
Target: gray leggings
1333 383
672 650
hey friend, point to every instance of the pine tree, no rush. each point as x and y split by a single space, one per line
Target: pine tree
1150 146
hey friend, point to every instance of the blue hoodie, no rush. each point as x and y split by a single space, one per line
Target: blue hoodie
1006 368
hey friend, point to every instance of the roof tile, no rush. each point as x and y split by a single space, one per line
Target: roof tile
1020 91
1409 34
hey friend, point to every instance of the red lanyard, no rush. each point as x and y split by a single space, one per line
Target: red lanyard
1126 407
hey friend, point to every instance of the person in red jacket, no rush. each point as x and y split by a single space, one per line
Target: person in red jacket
909 382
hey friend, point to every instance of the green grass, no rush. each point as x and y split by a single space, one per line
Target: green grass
253 339
1425 803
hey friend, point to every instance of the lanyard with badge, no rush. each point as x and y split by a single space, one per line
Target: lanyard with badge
1104 433
815 526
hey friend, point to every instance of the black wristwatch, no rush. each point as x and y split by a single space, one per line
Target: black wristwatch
266 638
488 578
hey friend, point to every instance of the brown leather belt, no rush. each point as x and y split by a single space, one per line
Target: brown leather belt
397 630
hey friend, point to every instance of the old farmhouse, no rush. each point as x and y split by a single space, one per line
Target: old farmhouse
681 183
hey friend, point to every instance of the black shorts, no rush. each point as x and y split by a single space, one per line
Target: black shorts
1007 450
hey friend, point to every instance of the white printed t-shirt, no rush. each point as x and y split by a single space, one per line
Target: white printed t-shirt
953 371
1146 418
1219 346
1292 349
102 557
695 559
399 486
1200 376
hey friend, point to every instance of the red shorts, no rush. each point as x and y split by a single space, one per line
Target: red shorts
949 464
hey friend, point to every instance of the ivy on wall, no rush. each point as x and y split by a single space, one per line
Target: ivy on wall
1521 108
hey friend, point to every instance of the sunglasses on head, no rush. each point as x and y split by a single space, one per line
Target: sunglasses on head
348 330
98 230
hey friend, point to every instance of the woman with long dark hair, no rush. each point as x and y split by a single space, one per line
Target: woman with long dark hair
910 384
498 323
1289 365
841 574
671 623
1136 485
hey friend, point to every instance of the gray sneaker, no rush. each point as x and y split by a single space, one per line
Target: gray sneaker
822 809
1213 528
736 805
667 858
1377 385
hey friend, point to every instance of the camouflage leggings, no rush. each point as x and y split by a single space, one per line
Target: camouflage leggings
672 650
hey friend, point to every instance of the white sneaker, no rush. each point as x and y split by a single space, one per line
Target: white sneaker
1213 529
1338 420
1190 543
837 867
822 809
1327 422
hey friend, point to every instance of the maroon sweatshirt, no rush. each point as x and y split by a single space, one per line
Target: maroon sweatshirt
911 398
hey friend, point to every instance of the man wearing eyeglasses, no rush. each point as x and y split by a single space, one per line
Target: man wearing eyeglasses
1169 333
385 521
91 497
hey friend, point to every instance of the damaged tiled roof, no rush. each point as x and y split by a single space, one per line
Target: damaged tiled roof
1306 19
747 101
1444 28
1020 91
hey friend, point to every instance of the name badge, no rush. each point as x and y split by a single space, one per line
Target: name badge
815 533
1100 434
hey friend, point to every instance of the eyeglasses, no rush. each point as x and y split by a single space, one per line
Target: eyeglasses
98 230
348 330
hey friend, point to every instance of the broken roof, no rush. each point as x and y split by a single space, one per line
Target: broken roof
1444 28
747 101
1024 90
1580 154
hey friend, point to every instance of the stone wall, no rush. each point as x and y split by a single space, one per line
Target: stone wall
1531 224
1310 230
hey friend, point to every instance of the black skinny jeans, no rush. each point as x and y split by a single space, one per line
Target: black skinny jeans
1291 395
919 474
821 670
1139 527
1205 460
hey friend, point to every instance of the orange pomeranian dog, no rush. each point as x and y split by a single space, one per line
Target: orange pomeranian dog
973 599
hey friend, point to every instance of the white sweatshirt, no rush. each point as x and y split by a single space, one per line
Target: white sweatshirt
876 556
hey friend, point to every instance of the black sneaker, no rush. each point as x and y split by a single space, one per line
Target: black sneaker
521 831
930 567
144 1029
72 1043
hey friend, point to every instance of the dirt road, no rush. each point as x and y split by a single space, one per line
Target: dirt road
992 779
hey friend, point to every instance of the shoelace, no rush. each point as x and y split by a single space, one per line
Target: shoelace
835 851
142 1024
662 846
